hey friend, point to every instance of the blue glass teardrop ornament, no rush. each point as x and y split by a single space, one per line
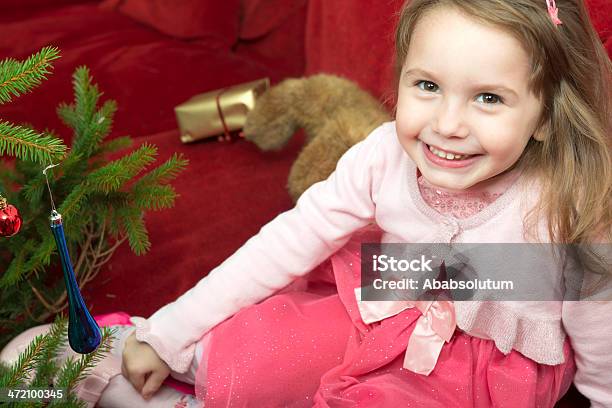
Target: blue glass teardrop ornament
84 334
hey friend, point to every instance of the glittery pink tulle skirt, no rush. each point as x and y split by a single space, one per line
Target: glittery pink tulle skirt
305 348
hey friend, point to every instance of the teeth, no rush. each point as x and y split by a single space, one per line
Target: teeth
448 156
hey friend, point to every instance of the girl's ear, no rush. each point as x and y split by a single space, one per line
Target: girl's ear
539 136
542 131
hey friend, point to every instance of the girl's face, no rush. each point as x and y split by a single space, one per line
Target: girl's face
464 111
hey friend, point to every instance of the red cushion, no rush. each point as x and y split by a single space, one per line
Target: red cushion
600 12
146 72
186 19
354 40
277 43
259 17
29 4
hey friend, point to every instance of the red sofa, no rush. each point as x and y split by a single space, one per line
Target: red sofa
151 55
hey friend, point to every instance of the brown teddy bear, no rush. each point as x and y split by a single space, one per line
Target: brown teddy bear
334 112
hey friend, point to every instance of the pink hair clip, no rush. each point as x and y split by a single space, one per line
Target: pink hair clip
553 12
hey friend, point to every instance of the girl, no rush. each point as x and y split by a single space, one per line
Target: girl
502 134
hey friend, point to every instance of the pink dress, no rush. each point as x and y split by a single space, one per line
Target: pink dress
309 346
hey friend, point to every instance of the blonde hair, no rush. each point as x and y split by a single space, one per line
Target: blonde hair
572 74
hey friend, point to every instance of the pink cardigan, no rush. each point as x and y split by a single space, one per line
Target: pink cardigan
376 181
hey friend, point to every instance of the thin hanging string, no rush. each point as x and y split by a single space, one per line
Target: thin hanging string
48 187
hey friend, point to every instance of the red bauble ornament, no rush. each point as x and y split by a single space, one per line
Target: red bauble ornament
10 220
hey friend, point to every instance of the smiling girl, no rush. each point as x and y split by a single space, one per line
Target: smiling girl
502 135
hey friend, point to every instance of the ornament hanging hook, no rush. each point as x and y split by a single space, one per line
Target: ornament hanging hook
48 187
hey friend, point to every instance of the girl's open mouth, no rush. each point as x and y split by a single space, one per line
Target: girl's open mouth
448 159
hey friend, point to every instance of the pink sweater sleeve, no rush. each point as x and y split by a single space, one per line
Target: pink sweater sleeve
287 247
589 326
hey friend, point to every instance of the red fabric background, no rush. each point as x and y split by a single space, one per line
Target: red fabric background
29 4
355 42
186 19
601 15
268 34
260 17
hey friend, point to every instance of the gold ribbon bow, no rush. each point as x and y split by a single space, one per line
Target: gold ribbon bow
436 325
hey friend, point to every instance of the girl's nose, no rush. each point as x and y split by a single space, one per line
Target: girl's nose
449 120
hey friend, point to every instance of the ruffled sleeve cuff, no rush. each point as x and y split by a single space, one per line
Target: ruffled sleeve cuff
177 361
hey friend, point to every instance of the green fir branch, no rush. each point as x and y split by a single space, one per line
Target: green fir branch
89 360
34 189
57 342
37 366
25 169
154 197
18 78
73 203
114 225
64 178
103 122
132 220
26 144
41 258
165 172
115 174
114 145
67 114
75 370
89 131
86 96
21 370
17 268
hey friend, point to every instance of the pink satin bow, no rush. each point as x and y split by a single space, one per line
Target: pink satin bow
435 326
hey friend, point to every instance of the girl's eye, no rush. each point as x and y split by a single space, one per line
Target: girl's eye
428 86
487 98
490 99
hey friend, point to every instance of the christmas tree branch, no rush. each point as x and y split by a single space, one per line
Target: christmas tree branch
17 374
42 299
30 313
108 253
84 251
17 78
75 371
102 203
26 144
56 342
113 145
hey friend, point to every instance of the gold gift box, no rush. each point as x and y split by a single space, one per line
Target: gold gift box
218 112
